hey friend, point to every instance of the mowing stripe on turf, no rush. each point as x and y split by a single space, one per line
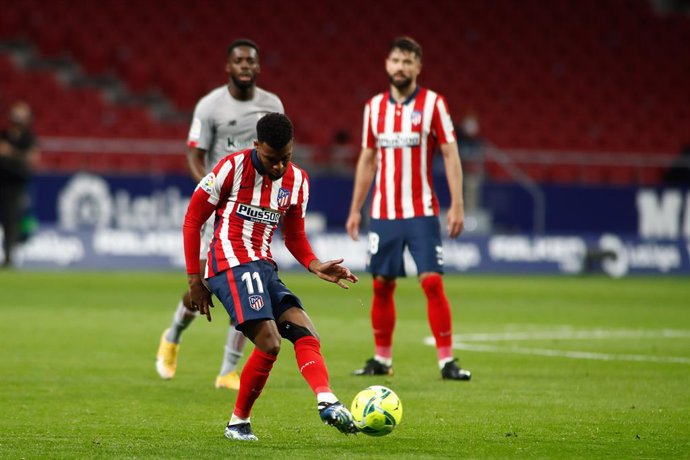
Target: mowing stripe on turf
567 333
570 354
572 334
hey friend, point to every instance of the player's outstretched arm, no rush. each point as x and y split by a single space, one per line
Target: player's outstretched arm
332 271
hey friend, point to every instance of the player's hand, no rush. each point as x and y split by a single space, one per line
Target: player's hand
455 221
199 296
352 225
332 271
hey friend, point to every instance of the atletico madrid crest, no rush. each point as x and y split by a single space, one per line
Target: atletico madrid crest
283 197
416 117
256 302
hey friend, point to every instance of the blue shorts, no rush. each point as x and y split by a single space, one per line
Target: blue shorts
253 291
389 238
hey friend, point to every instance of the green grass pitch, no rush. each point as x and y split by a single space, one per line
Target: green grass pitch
562 368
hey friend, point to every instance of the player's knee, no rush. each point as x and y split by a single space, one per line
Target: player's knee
272 348
293 332
432 283
268 343
384 286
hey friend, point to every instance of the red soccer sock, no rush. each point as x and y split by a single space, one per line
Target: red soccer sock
383 318
311 364
252 381
438 311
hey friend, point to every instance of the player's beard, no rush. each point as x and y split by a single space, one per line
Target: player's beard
243 85
402 84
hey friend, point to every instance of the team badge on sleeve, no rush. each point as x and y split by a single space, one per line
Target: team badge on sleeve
283 197
256 302
207 183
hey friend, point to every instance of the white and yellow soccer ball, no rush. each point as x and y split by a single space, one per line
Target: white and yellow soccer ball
377 410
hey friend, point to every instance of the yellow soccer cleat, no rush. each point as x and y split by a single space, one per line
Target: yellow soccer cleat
231 381
166 359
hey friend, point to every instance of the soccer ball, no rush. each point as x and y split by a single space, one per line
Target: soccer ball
376 410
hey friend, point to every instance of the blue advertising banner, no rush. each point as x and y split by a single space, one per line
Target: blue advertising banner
134 222
135 249
159 201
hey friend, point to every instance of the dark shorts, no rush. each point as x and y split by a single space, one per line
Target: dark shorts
389 238
253 291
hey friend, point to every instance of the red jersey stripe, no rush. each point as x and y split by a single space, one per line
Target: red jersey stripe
235 296
398 168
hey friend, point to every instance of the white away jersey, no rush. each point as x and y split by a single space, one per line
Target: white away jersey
405 136
223 125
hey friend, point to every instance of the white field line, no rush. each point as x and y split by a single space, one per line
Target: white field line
571 334
570 354
568 334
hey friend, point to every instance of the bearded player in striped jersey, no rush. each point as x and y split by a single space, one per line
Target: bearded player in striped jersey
402 128
250 192
224 122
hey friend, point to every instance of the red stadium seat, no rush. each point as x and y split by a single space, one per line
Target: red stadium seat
559 75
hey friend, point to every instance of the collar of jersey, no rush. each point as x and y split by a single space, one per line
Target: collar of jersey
406 101
257 163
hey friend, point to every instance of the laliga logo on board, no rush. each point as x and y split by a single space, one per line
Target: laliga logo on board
88 202
646 255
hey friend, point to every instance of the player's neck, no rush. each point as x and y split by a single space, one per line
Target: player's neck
241 94
402 94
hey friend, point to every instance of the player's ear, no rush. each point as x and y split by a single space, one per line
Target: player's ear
258 69
228 69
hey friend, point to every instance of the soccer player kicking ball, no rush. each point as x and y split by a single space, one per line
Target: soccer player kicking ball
250 191
402 128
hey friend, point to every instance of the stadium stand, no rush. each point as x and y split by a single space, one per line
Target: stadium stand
562 76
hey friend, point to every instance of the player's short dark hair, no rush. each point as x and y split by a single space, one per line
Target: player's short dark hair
409 44
242 42
275 129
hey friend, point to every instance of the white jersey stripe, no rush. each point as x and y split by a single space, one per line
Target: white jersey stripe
390 166
406 177
294 196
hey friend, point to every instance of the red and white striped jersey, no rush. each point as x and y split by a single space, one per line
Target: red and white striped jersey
248 207
405 136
